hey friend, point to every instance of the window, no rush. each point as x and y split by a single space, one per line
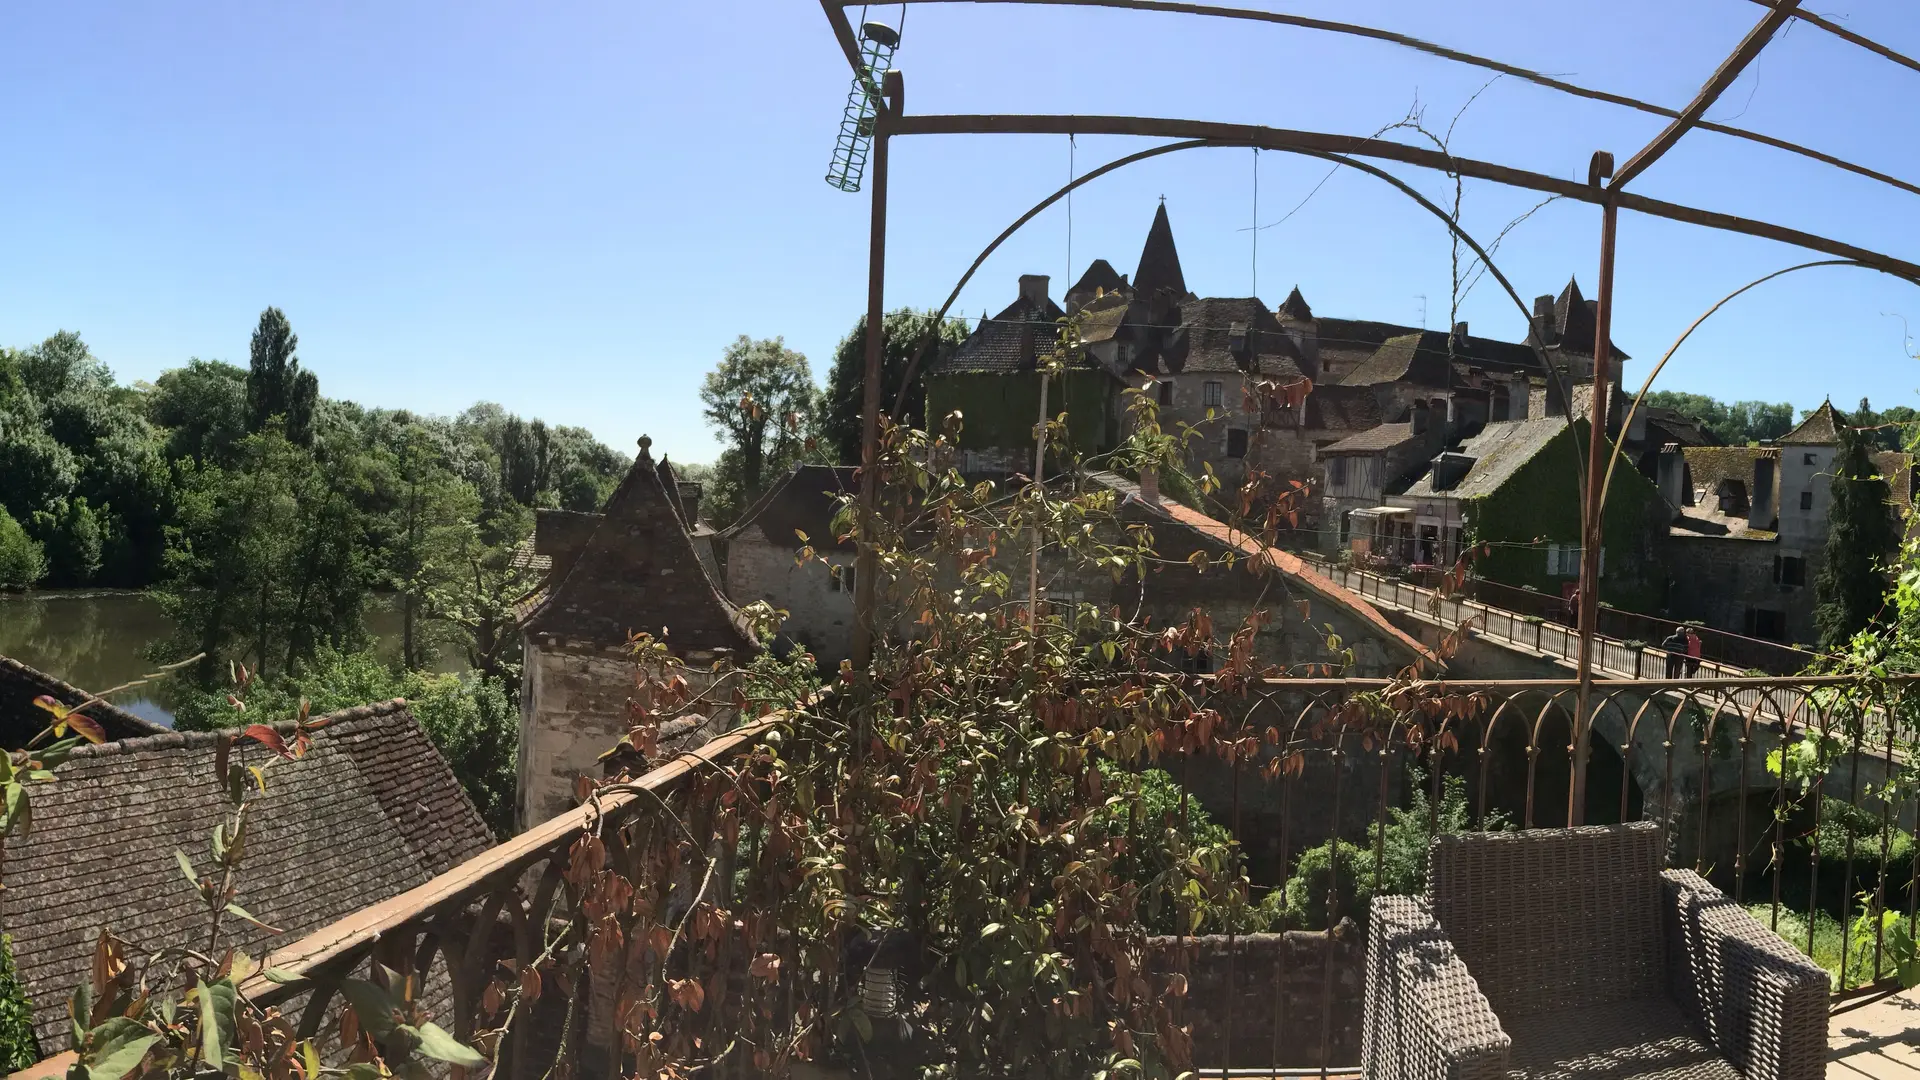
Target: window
1768 624
1211 395
1789 570
1807 459
1806 500
1166 391
1236 442
840 578
1563 560
1337 471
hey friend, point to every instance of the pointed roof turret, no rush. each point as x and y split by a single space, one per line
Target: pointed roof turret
1820 428
1159 261
638 572
1294 308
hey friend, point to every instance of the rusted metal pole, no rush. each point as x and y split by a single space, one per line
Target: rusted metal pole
1594 510
866 563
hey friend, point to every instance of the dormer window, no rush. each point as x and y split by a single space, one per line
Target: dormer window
1237 340
1212 395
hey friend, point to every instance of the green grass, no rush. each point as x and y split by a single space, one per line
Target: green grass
1826 942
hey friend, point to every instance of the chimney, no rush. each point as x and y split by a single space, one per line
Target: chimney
1760 512
690 498
1671 473
1033 289
1458 341
1543 320
1150 486
1420 418
1519 397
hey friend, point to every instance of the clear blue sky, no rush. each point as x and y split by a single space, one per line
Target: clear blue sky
571 208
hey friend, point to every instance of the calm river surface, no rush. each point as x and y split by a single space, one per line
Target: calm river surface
95 639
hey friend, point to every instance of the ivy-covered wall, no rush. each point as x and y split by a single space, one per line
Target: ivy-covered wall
17 1047
1001 409
1539 505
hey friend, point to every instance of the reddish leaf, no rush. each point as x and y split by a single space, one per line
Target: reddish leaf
88 727
49 703
268 738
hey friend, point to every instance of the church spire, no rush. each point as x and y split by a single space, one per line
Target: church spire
1159 262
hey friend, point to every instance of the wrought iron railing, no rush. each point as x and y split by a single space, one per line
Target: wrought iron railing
1747 775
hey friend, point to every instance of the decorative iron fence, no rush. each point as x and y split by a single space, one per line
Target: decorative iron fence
1794 796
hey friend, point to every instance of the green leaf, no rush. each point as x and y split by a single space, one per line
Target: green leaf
186 867
282 976
80 1011
990 929
861 1024
437 1043
236 909
373 1005
119 1045
213 1048
19 817
362 1071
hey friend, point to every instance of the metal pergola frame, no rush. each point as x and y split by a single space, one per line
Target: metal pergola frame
1605 187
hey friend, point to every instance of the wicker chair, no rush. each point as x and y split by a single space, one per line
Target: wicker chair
1568 954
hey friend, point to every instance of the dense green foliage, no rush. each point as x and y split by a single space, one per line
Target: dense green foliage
1861 535
837 421
1884 429
22 560
1737 424
18 1049
760 399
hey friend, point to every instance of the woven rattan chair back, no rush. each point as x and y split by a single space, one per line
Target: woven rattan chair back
1554 918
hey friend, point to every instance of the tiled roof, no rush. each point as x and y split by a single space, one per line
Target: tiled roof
1820 428
1100 277
1101 320
1010 341
1372 440
1159 261
1346 341
1419 358
637 572
1342 408
1709 465
1498 451
21 719
1206 334
1897 467
1294 308
371 811
804 500
1575 323
1288 564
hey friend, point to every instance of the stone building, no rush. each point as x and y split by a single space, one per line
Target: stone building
1360 471
763 553
1749 534
633 568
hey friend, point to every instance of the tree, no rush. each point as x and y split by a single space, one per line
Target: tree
70 534
22 562
432 516
203 408
480 598
1861 535
276 386
1886 430
1737 424
905 330
758 398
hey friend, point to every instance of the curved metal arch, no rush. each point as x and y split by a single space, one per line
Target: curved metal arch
913 365
1627 418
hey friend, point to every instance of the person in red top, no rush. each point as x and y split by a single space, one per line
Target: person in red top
1693 653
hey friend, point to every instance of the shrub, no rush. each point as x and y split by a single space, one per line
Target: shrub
22 560
1335 864
18 1050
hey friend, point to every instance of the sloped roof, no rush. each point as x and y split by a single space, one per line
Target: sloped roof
1498 451
804 500
1159 260
1203 341
1419 358
1708 465
1010 341
1820 428
1373 440
1897 467
1342 408
21 720
637 572
1294 308
1100 276
1101 319
1288 564
371 811
1576 323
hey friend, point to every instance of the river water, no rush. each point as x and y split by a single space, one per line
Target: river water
97 639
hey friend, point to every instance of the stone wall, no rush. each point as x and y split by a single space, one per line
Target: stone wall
819 605
573 708
1717 579
1265 1000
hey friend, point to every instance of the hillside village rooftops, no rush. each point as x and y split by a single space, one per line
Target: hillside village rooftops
1205 340
371 811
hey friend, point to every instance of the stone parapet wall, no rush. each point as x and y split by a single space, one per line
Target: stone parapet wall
1253 997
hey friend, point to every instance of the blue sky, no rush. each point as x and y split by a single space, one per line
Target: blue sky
571 208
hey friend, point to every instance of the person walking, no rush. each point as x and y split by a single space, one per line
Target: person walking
1676 646
1693 653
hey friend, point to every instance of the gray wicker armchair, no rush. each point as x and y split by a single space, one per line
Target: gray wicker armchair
1568 954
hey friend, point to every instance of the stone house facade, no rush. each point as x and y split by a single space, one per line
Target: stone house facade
762 561
630 569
